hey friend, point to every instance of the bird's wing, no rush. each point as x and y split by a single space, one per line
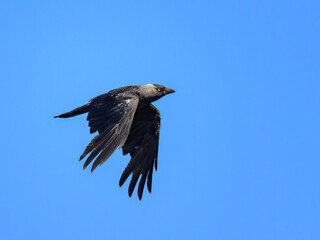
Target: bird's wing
111 116
142 144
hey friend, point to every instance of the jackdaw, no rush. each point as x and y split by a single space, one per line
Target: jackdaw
125 118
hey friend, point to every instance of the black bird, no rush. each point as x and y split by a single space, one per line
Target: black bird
125 118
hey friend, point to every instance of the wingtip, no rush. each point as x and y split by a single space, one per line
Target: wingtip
121 183
81 157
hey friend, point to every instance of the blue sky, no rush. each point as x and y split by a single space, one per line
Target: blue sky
239 145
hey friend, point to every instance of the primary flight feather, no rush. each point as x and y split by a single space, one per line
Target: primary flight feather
125 118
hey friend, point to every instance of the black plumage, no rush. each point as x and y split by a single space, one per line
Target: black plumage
125 118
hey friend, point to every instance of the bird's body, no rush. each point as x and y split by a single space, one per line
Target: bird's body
125 118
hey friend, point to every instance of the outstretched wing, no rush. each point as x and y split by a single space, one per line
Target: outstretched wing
142 144
111 115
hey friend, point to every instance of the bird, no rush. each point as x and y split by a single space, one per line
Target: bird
125 118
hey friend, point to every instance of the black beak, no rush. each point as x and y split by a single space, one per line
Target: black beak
168 90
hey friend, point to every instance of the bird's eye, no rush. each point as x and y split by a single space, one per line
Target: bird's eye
159 90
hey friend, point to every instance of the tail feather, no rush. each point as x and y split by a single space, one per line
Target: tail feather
75 112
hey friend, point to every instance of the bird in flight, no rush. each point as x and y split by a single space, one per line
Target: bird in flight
125 118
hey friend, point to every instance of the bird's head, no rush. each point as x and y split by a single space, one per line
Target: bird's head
153 92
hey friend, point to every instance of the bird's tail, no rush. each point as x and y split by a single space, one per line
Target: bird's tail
75 112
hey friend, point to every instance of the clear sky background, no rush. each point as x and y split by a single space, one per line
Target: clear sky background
240 139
